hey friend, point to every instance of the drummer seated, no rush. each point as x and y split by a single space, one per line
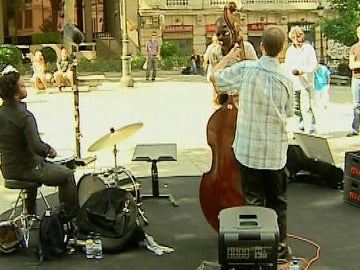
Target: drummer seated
24 153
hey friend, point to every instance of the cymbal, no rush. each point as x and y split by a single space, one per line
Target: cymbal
115 136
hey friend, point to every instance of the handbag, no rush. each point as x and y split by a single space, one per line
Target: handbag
145 65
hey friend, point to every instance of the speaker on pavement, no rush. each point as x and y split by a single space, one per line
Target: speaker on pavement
248 236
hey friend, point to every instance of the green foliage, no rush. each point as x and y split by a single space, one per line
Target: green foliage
169 49
138 61
342 28
9 54
46 38
14 7
343 69
47 25
99 65
51 66
49 54
169 55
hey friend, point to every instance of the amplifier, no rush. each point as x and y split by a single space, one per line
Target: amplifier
248 235
352 190
352 164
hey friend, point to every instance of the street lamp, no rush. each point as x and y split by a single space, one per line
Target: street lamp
126 79
320 11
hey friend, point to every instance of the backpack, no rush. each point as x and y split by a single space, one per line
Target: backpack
55 230
112 213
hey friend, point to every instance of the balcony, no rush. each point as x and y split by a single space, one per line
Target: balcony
247 5
258 5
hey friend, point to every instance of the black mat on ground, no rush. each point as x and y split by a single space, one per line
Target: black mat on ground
315 213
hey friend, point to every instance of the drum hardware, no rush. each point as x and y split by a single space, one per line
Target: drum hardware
115 177
78 161
64 157
114 137
122 178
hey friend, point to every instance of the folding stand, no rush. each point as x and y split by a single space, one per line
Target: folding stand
155 153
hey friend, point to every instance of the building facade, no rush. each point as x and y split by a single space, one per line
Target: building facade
190 23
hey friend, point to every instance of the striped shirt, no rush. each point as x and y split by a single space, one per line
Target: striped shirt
265 103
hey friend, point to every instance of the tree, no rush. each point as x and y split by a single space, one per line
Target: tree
342 28
56 9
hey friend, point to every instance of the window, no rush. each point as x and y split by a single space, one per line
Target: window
28 19
218 2
171 3
19 21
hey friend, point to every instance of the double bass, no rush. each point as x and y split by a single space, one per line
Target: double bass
220 187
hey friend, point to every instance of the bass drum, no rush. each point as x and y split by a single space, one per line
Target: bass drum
90 183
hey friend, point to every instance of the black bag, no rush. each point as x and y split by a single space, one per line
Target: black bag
10 237
112 213
55 230
186 71
305 169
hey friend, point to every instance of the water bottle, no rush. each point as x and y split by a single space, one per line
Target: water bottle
294 264
97 247
89 247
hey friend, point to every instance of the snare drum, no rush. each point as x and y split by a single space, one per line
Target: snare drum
90 183
64 157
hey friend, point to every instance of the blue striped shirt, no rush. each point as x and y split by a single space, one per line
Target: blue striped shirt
265 102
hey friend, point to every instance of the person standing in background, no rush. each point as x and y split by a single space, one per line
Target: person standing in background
195 63
152 54
301 61
354 65
212 56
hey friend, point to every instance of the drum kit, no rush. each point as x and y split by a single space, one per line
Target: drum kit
117 176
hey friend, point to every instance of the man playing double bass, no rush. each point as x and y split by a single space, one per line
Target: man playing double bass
261 139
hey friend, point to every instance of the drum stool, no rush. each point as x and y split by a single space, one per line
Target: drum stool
26 220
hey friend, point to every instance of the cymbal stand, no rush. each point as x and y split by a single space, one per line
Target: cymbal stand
112 130
138 201
76 107
78 161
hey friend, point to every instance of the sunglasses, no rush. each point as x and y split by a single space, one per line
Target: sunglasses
223 33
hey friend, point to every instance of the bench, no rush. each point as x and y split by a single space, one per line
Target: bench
339 79
92 81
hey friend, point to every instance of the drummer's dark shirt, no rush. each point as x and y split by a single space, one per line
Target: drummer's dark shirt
21 147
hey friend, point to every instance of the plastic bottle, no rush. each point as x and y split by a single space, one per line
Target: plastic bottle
294 264
89 247
97 247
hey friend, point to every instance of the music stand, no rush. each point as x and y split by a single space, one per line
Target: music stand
155 153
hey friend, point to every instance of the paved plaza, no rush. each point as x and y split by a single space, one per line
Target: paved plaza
173 109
